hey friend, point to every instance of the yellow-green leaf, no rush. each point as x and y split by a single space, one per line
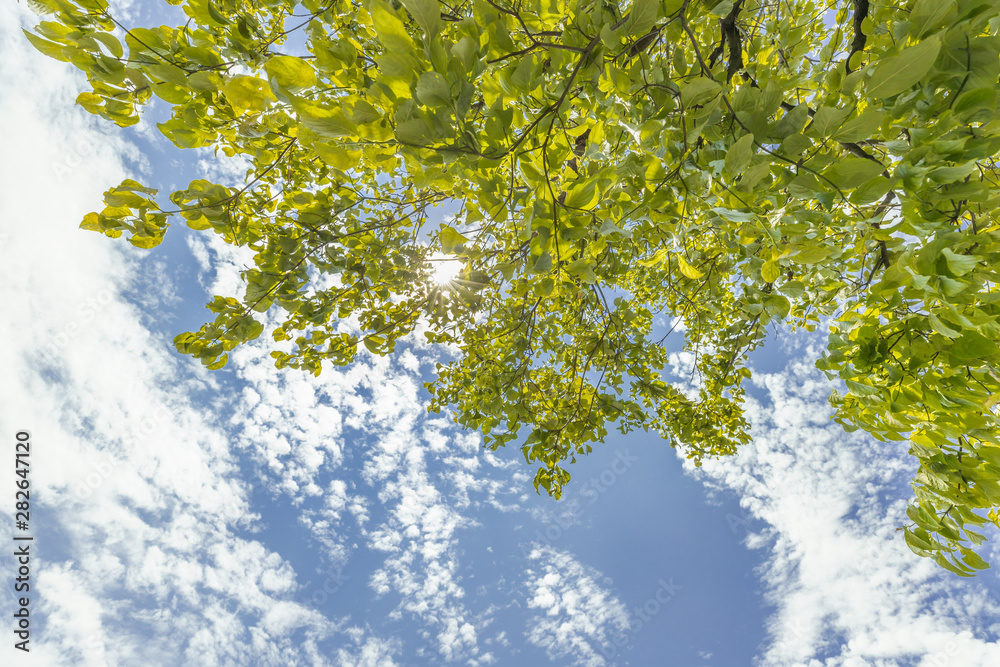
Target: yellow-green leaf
898 73
389 28
247 92
739 155
939 326
290 73
688 270
450 239
427 14
770 271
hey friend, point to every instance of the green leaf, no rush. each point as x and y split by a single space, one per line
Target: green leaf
734 216
427 14
973 560
337 156
466 51
111 42
860 388
374 343
168 73
325 121
433 90
928 15
860 128
938 326
689 271
290 73
44 46
390 30
777 305
872 191
205 81
641 17
218 363
450 239
795 144
959 265
182 135
943 561
851 172
216 15
722 8
770 271
582 194
543 264
793 289
247 92
91 223
952 174
811 254
415 132
699 91
792 122
583 269
972 102
827 121
92 103
359 111
917 543
739 155
898 73
973 345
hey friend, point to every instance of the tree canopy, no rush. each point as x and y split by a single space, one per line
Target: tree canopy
723 164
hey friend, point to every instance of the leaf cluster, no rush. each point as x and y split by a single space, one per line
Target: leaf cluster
722 165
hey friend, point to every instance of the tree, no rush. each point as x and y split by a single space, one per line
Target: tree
726 163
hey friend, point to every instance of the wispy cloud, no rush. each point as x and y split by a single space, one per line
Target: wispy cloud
360 437
303 429
844 587
152 521
142 505
579 617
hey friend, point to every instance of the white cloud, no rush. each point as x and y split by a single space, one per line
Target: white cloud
311 436
845 588
367 651
139 450
140 489
580 618
224 170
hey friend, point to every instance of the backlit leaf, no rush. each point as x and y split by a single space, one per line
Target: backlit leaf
898 73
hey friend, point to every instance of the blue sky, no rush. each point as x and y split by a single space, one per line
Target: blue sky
256 517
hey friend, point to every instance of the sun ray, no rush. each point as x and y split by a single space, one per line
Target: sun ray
445 268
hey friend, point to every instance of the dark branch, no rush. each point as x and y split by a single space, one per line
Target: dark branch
860 39
731 36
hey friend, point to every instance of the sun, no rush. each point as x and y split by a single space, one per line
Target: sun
445 268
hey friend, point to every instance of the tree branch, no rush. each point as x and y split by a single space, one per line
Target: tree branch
730 38
860 39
